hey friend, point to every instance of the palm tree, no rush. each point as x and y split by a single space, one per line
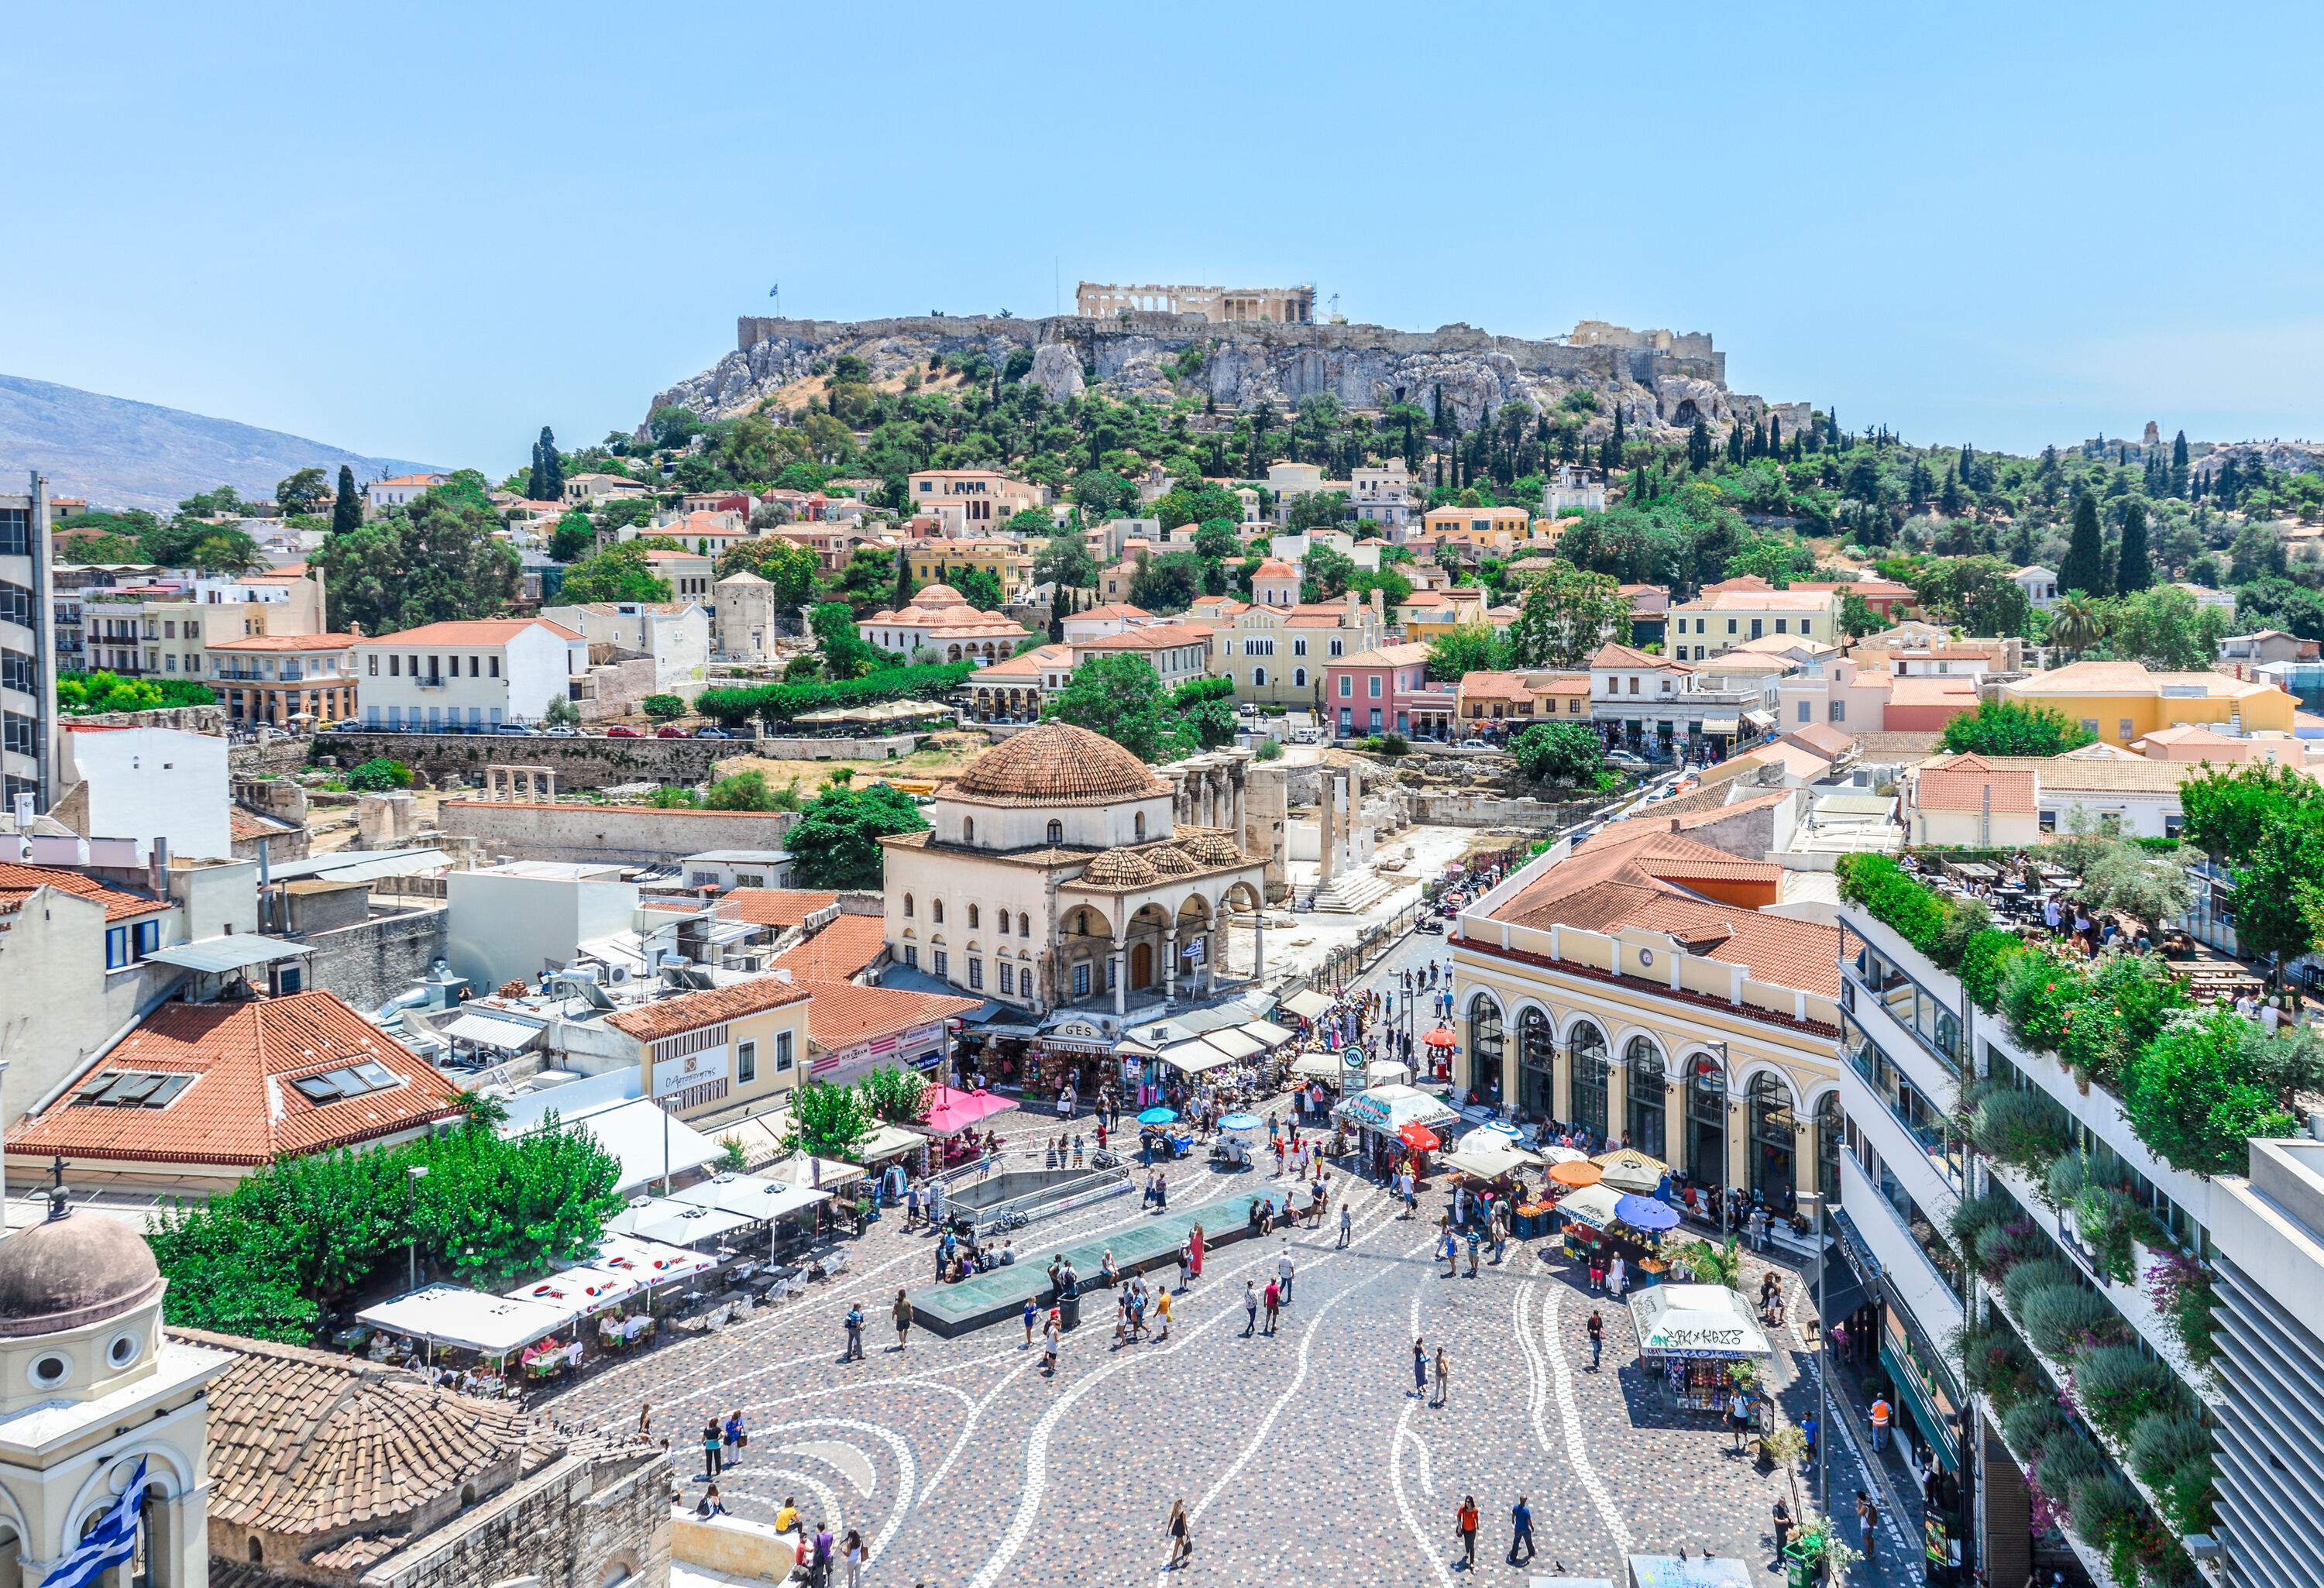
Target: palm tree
2074 627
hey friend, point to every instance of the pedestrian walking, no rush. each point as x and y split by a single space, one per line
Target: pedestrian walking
1451 1253
1162 1311
1186 1261
1419 1365
1274 1297
1880 1414
737 1436
855 1321
1867 1523
1521 1529
855 1557
1782 1528
1283 1270
1181 1534
1443 1376
1618 1276
645 1421
1597 1273
712 1442
1475 1241
1032 1318
911 1206
1597 1338
1250 1307
1738 1416
1347 1222
1809 1426
1465 1519
1194 1247
903 1315
825 1546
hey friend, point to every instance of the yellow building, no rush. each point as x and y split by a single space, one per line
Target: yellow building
1638 988
1276 655
2122 702
1515 524
1521 698
1737 611
936 562
721 1054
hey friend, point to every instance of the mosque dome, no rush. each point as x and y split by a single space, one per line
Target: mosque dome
1056 763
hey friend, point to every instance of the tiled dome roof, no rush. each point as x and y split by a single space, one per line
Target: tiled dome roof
1056 763
1120 868
1214 849
939 595
1171 860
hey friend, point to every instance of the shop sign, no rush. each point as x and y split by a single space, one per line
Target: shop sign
672 1075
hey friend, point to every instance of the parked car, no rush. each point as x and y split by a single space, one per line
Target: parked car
619 732
519 729
670 734
560 731
1630 763
712 733
349 725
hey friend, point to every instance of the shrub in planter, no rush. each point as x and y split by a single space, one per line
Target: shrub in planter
1976 1214
2111 1224
2181 1291
1983 961
1893 898
1995 1364
2003 1247
2039 993
2065 1459
2039 1274
2118 1385
2171 1452
2031 1423
2060 1317
2098 1504
2024 1130
2193 1098
2064 1182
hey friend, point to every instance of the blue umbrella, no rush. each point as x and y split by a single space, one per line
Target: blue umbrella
1158 1116
1644 1213
1240 1121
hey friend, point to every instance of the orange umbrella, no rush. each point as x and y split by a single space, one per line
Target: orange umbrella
1575 1175
1418 1137
1441 1036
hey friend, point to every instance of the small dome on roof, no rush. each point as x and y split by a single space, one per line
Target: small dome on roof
1213 848
1057 764
1121 868
1171 860
65 1273
939 595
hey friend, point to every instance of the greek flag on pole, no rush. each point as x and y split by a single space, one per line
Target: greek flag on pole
111 1542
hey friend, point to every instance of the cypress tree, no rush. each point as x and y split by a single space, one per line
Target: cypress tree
1698 445
2084 567
1775 437
346 512
2134 569
551 468
1440 410
903 581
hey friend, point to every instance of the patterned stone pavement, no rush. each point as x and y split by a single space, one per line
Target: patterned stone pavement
1303 1457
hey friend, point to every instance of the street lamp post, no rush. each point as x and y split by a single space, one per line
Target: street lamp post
414 1174
1823 1400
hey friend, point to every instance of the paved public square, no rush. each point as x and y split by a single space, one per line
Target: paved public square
1303 1457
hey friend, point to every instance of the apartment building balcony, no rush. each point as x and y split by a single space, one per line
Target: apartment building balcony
1924 1289
432 681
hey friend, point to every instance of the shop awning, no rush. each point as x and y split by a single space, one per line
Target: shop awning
646 1142
1269 1032
472 1320
758 1197
1195 1057
1722 724
1391 1108
888 1142
1591 1205
1323 1067
1695 1321
1307 1004
580 1292
815 1173
1760 719
1236 1043
673 1223
647 1260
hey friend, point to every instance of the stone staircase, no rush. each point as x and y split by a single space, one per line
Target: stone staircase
1353 892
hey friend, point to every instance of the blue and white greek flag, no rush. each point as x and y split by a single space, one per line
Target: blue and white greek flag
110 1543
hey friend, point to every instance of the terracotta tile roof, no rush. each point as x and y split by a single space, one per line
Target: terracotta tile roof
2129 678
1055 763
242 1108
1113 609
306 1443
843 1014
1485 686
1029 666
1741 582
1387 656
1795 600
18 883
490 631
1273 569
774 907
838 953
1962 784
1155 637
1611 655
1826 740
275 643
678 812
690 1012
244 825
1910 690
1897 745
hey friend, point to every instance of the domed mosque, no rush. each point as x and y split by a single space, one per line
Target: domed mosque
1058 878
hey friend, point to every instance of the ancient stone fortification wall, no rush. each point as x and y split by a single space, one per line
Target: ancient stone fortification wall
578 764
635 835
372 961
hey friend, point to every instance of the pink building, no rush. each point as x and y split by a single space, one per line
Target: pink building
1387 690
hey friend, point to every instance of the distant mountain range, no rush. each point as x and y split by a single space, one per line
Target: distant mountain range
116 453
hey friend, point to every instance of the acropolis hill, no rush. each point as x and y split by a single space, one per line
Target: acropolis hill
1663 381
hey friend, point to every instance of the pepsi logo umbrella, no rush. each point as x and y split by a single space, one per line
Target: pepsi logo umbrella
1644 1213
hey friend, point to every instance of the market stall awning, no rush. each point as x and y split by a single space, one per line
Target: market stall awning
1722 724
1695 1321
1307 1004
1391 1108
492 1030
1195 1057
805 1168
1270 1033
888 1142
1591 1205
472 1320
1235 1044
1486 1157
1321 1065
645 1141
675 1224
753 1197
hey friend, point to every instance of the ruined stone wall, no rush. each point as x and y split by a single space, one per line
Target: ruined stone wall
633 835
578 764
373 960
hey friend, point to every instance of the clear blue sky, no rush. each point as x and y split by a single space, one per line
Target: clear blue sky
426 229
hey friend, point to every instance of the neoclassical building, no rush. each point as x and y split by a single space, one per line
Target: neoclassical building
1642 987
1059 870
940 618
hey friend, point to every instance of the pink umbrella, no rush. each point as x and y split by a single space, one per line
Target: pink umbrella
950 1109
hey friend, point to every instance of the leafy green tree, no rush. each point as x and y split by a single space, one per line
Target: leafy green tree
2134 569
836 843
570 541
1119 695
663 709
85 694
1199 502
619 573
380 775
1567 755
897 1096
1101 495
1858 617
1316 509
436 560
749 791
2195 1098
1566 615
95 548
2075 624
1324 573
546 482
300 491
979 588
791 569
845 653
560 712
1394 587
1469 648
828 1120
1167 584
670 427
2162 627
868 581
2083 568
347 508
1065 561
1206 710
1976 594
2004 727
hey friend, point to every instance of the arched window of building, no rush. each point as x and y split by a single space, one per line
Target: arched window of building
1774 1167
1587 1055
935 910
1137 826
1828 1129
1485 1044
972 917
1644 1062
1056 832
1536 1065
968 829
1259 677
908 907
1299 678
1706 1121
1024 926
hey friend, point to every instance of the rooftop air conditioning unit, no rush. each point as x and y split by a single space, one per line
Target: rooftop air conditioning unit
617 975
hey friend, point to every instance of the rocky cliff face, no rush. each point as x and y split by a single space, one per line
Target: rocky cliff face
1244 366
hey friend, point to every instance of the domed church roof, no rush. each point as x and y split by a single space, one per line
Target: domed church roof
64 1273
1056 763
